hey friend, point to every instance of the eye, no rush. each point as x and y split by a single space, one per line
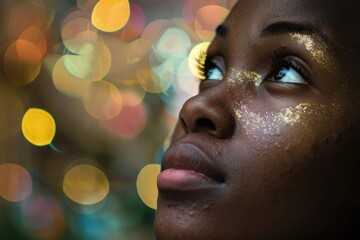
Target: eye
288 74
214 73
207 68
290 70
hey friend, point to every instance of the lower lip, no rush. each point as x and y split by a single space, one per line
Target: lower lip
182 180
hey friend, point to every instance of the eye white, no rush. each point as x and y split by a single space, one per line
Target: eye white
289 75
214 74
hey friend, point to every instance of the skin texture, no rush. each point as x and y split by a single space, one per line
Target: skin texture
287 153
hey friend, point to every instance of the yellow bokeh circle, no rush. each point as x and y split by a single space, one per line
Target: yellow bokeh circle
194 55
86 184
146 185
110 15
38 127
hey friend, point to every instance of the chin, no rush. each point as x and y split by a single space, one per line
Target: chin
183 221
184 217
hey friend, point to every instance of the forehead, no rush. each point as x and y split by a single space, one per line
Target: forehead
333 17
337 19
300 7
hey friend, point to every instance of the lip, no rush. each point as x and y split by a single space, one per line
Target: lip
185 167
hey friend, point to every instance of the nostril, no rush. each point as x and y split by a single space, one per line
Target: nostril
205 124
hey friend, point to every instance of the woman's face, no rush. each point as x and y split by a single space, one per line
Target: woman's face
266 149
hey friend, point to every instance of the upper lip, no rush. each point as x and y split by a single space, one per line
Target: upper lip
187 156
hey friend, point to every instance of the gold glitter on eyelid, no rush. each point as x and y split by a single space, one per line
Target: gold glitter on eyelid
318 53
244 76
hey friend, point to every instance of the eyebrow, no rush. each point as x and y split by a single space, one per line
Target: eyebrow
284 27
221 30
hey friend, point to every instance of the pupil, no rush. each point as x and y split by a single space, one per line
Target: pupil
210 73
282 73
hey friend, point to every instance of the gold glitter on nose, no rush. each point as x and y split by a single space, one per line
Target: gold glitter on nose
237 76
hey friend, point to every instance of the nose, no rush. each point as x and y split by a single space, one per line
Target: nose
208 112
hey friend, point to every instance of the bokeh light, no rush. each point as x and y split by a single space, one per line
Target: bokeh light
152 30
134 26
103 100
25 14
172 42
194 54
92 60
38 127
152 82
31 45
132 95
190 8
66 82
85 184
15 182
207 19
77 27
42 215
186 82
27 51
22 70
114 75
137 50
146 184
129 123
111 15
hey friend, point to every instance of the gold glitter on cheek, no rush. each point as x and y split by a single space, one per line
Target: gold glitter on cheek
319 54
274 123
244 77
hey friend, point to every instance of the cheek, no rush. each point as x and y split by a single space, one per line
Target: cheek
286 144
284 161
289 127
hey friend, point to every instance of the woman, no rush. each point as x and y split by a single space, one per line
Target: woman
269 147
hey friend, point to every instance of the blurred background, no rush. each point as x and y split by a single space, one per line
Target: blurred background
89 94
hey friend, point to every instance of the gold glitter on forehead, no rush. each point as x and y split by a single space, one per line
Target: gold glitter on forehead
237 76
318 53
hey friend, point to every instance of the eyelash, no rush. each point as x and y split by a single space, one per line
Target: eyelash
204 64
281 61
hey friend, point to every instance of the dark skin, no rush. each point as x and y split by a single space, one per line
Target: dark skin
277 121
